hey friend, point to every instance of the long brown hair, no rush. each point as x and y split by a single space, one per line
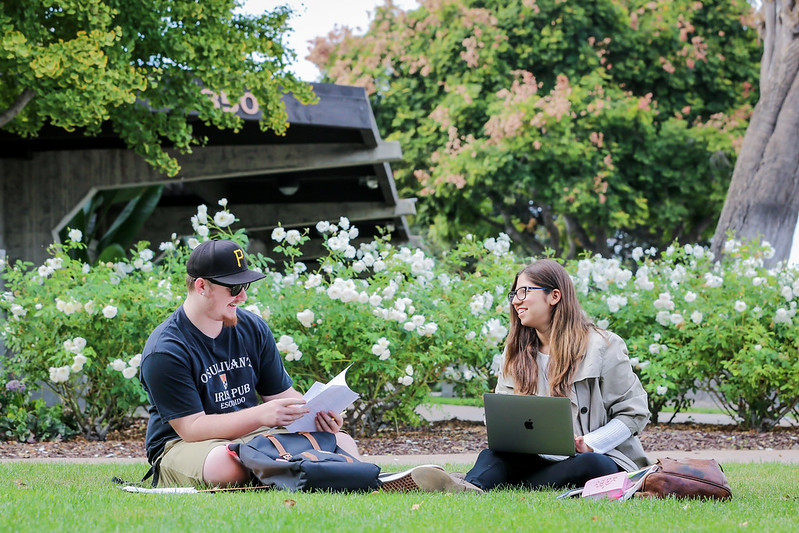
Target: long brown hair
568 336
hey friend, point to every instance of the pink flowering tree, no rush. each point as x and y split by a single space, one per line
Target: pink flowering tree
573 126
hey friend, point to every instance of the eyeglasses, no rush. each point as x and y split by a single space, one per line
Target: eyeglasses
234 289
521 292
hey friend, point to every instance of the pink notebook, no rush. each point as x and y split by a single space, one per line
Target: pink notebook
612 486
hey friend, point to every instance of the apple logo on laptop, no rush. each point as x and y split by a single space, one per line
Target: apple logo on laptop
529 424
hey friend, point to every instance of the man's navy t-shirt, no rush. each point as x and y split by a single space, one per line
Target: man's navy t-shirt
186 372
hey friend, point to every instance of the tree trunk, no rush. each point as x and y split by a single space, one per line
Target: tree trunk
763 198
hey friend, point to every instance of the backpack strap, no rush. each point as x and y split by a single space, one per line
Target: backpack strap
311 439
279 447
153 472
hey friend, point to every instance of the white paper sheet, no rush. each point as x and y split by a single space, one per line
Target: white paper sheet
334 396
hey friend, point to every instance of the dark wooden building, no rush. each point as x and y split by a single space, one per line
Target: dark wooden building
331 163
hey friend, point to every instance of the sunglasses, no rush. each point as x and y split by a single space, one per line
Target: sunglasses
234 289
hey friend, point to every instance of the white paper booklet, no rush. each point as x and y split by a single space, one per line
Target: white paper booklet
334 396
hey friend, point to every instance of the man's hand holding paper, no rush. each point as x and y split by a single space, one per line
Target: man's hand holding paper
325 402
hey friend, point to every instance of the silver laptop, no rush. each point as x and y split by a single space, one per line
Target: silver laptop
529 424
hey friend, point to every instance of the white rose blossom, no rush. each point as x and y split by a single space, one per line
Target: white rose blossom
740 306
293 237
75 345
202 215
75 235
494 330
278 234
109 311
17 311
306 318
380 349
59 374
782 316
287 345
77 363
224 219
129 372
314 280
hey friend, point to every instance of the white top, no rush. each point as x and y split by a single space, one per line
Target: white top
600 440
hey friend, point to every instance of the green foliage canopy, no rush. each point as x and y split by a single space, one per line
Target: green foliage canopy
568 125
140 66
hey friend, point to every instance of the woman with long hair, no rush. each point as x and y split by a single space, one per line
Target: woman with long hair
553 349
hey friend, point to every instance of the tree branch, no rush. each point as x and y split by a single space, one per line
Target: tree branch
18 105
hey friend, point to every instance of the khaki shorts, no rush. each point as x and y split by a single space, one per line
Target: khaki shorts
182 462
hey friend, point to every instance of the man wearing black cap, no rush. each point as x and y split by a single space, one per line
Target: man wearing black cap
210 383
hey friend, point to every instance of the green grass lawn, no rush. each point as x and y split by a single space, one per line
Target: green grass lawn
80 497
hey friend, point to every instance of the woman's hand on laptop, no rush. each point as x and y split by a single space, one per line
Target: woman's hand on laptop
581 446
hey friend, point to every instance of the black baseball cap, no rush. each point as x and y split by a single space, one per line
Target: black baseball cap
222 261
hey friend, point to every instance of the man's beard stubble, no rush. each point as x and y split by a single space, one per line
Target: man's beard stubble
230 322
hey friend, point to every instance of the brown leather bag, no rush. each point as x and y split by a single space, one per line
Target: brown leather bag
686 478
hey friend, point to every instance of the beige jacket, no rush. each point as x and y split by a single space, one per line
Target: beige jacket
605 387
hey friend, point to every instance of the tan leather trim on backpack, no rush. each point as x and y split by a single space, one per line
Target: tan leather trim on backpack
311 439
279 447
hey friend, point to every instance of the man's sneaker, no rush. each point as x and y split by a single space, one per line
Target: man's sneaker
404 481
428 478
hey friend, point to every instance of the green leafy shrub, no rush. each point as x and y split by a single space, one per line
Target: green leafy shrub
403 321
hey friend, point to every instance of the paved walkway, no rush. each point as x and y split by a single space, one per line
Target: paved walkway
437 412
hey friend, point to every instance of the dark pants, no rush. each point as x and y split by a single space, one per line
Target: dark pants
494 469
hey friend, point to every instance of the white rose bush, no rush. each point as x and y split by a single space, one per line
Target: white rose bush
404 321
399 319
695 322
83 329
